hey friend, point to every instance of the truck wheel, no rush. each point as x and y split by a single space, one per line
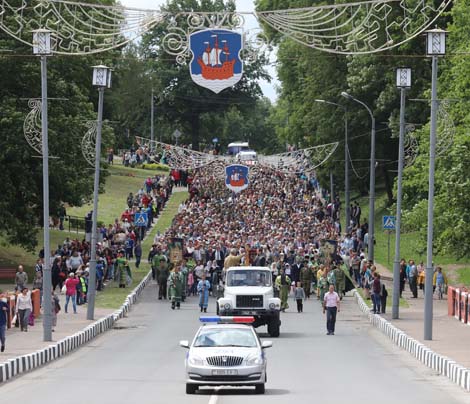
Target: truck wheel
259 389
217 310
274 327
191 388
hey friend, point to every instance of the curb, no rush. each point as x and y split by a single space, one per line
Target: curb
32 361
445 366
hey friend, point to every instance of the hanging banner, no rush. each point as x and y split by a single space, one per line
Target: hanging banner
236 177
216 62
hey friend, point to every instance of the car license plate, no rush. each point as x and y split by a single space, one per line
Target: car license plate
224 372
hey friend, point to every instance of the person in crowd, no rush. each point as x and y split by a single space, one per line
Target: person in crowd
413 278
138 253
162 278
306 277
4 308
299 296
383 298
203 287
376 291
55 309
283 283
176 282
24 307
71 291
439 280
331 305
21 279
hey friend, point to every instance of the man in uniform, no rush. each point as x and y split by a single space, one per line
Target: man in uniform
162 278
306 277
176 287
340 281
184 272
157 257
283 284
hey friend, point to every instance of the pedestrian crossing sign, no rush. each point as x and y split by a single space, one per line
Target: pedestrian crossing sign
389 222
141 219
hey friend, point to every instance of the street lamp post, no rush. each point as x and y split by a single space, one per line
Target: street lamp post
403 82
102 80
435 47
42 47
346 159
370 248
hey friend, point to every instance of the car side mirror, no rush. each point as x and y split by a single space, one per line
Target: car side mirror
184 344
266 344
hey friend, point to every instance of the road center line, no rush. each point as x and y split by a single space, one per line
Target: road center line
214 397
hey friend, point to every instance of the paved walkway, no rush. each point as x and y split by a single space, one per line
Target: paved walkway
450 336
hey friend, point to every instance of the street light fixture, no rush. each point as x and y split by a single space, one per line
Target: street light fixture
346 160
101 80
370 248
42 47
435 47
403 82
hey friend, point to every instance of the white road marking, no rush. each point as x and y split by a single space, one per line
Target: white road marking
215 396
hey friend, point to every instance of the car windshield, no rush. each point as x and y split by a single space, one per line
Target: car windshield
223 337
249 277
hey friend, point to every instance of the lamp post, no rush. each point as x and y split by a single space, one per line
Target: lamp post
403 82
152 106
102 80
435 47
370 248
346 159
42 47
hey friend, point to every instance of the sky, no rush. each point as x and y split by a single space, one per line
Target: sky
250 23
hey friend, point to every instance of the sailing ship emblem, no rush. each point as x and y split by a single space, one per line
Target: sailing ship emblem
216 62
236 177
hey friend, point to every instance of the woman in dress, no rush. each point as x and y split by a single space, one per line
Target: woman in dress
203 287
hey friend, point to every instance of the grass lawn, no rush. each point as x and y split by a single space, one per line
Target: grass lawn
113 297
112 202
463 276
409 246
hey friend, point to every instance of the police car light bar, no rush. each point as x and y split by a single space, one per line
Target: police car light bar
227 319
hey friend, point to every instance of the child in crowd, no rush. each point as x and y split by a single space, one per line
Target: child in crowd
299 295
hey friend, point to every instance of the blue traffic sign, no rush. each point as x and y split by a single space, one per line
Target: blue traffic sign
141 219
389 222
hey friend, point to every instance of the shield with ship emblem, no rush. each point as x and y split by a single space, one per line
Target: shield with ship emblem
236 177
216 62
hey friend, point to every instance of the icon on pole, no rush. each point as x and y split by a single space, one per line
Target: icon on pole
389 222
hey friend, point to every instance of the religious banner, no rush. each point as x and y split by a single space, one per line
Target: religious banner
216 62
176 250
328 251
236 177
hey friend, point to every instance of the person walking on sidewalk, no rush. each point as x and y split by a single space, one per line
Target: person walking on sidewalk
55 308
71 292
24 306
3 321
21 279
376 292
413 279
331 304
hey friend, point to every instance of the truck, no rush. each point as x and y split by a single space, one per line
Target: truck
249 291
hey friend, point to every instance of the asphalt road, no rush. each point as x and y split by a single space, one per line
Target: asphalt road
141 362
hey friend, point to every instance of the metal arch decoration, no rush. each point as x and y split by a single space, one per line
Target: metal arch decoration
89 143
411 146
445 128
350 28
304 160
356 28
77 28
32 125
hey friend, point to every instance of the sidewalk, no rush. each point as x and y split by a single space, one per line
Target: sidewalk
22 343
450 336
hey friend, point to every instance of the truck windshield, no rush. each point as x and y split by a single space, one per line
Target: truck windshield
249 277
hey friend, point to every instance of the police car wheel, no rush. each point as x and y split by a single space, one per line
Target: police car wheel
191 388
259 388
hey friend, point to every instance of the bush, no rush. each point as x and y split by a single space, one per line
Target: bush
155 166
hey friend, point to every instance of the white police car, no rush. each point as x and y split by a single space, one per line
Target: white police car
226 351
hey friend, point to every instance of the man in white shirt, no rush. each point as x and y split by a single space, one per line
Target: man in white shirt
331 304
